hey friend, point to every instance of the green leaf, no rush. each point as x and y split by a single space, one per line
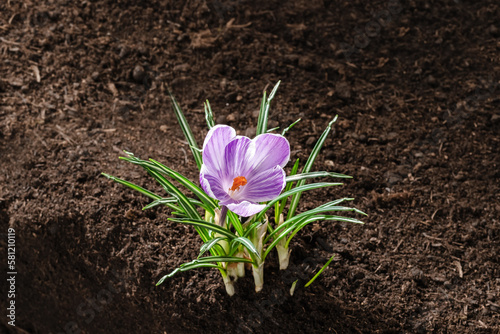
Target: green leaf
166 201
307 167
289 127
210 203
262 120
297 226
302 223
297 189
328 207
276 241
197 149
337 201
180 214
189 267
142 191
235 221
264 110
311 175
209 116
211 243
204 262
325 209
292 289
197 191
204 224
250 229
132 186
319 272
288 186
183 201
247 244
209 259
186 129
273 92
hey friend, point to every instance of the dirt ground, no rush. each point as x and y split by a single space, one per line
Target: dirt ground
415 84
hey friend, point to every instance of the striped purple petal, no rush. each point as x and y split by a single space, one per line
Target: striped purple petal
236 162
212 185
245 208
213 148
270 150
264 186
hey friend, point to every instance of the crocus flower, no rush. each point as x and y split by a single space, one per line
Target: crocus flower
241 172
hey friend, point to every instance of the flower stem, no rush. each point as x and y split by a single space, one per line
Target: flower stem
223 214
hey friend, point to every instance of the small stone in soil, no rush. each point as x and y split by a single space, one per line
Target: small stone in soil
138 74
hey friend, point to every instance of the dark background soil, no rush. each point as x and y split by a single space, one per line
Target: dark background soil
416 88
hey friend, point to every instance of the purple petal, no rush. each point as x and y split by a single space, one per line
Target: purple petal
212 185
213 148
265 186
236 162
245 209
270 150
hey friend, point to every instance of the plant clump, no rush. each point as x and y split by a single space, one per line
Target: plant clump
242 181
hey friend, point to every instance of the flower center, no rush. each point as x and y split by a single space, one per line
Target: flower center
238 182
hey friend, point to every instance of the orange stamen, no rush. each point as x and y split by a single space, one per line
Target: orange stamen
238 182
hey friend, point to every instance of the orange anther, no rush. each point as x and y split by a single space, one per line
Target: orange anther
238 182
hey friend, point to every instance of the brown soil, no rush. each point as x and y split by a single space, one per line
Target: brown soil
416 86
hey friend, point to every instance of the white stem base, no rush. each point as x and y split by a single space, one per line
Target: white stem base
240 269
258 277
284 256
229 285
232 272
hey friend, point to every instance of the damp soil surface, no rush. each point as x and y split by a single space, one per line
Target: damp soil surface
415 85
